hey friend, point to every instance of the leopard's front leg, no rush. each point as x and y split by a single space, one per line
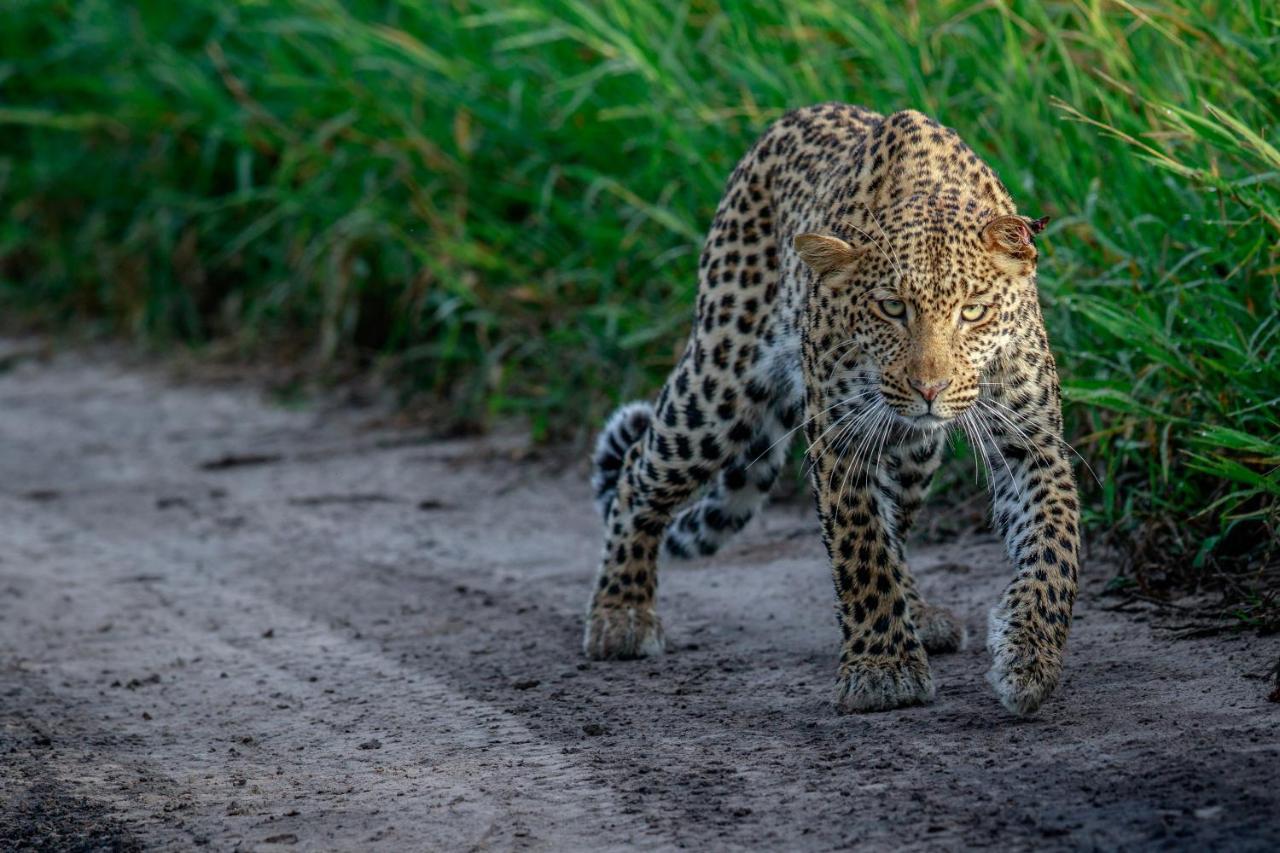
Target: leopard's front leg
1037 510
910 468
882 660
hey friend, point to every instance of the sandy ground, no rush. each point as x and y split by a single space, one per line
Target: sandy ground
227 623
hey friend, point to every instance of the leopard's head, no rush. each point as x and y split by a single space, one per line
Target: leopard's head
924 304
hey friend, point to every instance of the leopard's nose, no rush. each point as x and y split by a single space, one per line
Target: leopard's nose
929 390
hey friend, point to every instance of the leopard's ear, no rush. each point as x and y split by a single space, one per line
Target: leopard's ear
1010 239
824 253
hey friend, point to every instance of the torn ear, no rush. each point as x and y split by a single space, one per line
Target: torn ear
1011 239
824 253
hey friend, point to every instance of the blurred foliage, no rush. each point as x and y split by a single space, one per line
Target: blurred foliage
504 200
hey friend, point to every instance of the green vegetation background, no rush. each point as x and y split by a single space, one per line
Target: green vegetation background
503 200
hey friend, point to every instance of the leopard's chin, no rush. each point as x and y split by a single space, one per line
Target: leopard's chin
930 421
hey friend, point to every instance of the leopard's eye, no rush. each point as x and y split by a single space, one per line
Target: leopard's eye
973 313
895 308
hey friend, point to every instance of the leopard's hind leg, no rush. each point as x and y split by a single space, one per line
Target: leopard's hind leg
648 464
740 489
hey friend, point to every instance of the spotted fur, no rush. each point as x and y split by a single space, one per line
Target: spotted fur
867 278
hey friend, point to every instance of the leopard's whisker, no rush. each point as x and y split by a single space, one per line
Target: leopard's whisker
964 427
863 393
850 431
808 451
883 430
979 467
849 400
888 430
806 422
976 445
875 243
851 459
831 371
1031 444
849 342
876 219
812 460
885 437
882 413
995 447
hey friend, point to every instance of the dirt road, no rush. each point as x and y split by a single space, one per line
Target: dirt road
227 623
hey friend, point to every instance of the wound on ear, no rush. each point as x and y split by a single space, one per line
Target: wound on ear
1010 237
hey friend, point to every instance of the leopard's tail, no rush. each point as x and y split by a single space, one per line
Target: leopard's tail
625 427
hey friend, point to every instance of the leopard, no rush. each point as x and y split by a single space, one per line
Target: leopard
866 280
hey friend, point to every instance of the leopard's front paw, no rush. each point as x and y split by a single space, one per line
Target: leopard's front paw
938 629
878 684
1025 661
623 633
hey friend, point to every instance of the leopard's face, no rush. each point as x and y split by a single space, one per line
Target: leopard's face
927 310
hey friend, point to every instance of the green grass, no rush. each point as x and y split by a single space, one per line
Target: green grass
503 201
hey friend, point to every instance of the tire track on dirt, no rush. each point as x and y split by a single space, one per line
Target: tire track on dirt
461 773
